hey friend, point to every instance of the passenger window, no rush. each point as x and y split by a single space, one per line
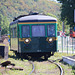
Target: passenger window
14 32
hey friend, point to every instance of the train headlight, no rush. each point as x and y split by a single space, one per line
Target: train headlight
50 39
27 40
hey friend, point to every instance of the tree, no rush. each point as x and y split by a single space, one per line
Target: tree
4 24
1 18
49 14
59 22
67 11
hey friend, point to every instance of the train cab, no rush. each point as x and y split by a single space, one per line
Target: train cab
34 34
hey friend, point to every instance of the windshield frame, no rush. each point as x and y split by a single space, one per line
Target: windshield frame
48 31
26 36
38 25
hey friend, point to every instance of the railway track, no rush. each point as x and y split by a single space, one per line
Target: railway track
61 70
48 72
33 67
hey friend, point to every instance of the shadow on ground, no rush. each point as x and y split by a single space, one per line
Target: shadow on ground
28 57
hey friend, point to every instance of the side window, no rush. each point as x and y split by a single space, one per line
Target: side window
11 33
25 31
14 32
51 30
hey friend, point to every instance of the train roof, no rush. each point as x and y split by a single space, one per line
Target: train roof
37 17
33 18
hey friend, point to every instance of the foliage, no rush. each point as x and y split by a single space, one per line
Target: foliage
49 14
67 11
59 22
1 18
4 24
14 8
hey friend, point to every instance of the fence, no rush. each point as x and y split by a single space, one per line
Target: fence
66 44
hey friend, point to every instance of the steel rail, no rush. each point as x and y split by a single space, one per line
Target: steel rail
61 70
33 68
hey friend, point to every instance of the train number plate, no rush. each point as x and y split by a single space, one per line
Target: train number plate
38 50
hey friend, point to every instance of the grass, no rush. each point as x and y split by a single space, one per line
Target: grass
44 68
68 70
40 66
58 55
18 62
0 73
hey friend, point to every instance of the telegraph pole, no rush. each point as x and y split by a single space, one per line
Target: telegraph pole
74 15
63 26
74 19
0 30
73 40
62 36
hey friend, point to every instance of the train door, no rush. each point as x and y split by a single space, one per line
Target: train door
14 38
38 36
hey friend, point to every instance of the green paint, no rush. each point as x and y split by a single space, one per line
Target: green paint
30 31
56 29
46 30
20 25
20 31
42 41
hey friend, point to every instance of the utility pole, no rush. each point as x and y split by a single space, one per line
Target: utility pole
62 36
0 30
74 15
74 19
63 26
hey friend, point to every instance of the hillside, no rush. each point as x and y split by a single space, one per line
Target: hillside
14 8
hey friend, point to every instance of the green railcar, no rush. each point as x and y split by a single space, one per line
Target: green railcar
34 34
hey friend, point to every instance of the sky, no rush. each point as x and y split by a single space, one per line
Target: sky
55 0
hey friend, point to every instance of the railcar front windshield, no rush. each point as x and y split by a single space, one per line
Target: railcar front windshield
38 30
25 31
51 30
